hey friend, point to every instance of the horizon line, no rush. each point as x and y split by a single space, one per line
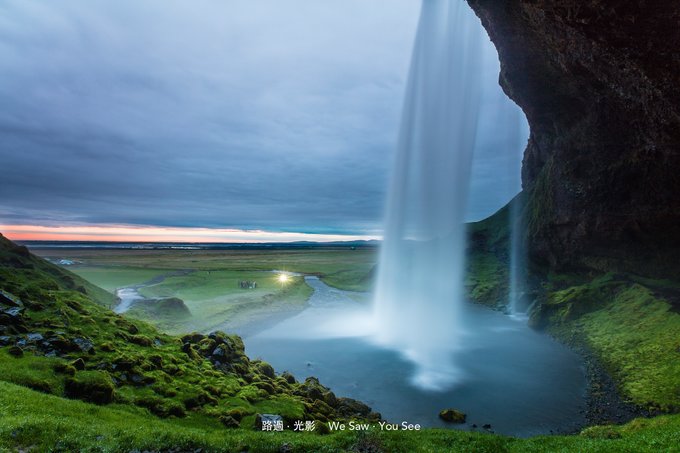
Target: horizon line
148 233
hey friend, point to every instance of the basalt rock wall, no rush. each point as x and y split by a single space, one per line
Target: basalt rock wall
599 82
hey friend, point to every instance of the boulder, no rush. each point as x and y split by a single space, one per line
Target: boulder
452 416
348 407
10 299
34 337
261 418
84 344
289 378
91 386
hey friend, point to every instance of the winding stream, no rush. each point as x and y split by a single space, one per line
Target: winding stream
129 295
519 381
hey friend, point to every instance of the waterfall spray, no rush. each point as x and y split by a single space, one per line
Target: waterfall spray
420 275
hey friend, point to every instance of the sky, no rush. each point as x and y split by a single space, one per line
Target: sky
226 120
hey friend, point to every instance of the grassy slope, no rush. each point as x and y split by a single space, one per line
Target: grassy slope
487 275
632 329
45 422
131 363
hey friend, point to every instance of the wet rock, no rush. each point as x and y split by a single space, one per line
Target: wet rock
270 418
5 340
59 344
10 299
452 416
486 426
137 379
84 344
348 407
34 337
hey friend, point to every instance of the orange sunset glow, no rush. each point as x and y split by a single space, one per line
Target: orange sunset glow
127 233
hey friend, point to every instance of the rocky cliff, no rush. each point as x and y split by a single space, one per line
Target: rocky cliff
599 82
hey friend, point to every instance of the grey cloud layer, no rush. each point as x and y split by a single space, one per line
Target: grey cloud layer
270 114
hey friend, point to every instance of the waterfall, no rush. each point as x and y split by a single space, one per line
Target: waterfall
419 289
516 307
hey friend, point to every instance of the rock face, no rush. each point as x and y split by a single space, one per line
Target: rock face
599 82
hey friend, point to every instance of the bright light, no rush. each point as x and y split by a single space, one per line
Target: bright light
283 278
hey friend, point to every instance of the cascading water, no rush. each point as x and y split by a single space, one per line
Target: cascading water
516 142
517 275
420 274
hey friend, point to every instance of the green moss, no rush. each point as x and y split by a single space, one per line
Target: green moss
637 336
540 204
634 332
487 280
92 386
33 372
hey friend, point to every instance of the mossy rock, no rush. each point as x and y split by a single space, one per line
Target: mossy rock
65 368
78 364
161 407
92 386
289 378
229 421
452 416
265 369
239 413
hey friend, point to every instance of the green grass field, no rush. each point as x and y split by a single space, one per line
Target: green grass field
218 303
112 277
210 286
34 421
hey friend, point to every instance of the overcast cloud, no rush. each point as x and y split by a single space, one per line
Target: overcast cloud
269 114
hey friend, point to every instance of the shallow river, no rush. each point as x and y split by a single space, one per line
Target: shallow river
517 380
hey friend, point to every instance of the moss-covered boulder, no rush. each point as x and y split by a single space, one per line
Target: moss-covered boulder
92 386
452 416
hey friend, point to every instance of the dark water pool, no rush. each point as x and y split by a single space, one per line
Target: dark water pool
520 382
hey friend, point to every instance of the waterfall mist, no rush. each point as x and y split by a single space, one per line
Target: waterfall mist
420 274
